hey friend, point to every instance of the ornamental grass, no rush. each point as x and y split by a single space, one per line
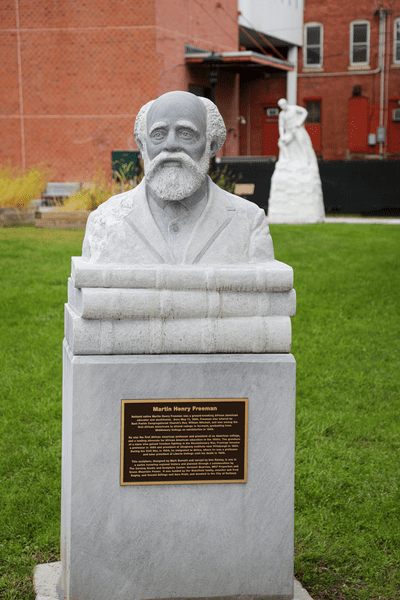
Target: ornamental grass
18 187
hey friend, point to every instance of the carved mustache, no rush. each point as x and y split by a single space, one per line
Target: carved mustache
166 156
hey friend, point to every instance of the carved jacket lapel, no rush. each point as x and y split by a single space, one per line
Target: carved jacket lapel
142 224
215 218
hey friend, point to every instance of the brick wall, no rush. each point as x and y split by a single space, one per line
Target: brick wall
75 73
335 93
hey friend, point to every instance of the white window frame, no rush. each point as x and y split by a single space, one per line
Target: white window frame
320 46
364 63
396 40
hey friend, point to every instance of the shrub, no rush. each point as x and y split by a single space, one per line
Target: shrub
225 179
91 195
123 175
18 187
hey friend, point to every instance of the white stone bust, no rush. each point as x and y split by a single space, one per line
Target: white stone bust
177 215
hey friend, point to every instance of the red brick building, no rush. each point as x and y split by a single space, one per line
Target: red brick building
349 77
74 74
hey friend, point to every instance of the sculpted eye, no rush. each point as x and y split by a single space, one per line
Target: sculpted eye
186 134
158 135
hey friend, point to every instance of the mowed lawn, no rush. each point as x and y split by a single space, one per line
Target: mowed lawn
346 340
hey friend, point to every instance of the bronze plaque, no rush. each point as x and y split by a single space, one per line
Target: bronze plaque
184 441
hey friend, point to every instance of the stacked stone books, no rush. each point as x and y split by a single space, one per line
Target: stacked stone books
175 309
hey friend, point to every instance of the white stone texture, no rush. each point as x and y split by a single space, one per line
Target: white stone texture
176 541
47 575
177 336
120 303
179 309
230 230
299 592
273 276
45 579
148 319
296 191
296 194
177 134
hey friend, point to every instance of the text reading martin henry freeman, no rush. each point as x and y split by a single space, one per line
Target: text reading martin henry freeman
182 408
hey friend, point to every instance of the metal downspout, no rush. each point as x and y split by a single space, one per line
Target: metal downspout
382 44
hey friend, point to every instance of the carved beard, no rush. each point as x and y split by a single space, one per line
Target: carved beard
175 183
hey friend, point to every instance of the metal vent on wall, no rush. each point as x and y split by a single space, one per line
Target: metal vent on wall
396 114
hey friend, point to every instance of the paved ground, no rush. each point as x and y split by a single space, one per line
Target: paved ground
46 578
362 220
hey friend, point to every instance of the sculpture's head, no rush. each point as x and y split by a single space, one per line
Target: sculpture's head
177 134
283 103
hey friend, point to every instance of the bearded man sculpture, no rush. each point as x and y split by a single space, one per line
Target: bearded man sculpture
177 215
177 298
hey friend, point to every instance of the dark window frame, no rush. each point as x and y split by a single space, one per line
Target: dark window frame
359 46
313 49
313 107
396 41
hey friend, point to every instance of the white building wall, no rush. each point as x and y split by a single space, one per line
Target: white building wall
282 19
291 77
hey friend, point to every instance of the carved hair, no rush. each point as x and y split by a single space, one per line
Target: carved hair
216 130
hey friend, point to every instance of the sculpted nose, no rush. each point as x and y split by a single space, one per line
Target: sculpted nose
172 143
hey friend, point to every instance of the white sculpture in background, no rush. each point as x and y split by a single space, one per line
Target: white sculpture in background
296 192
294 141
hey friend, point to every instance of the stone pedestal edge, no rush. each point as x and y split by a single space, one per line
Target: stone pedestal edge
46 576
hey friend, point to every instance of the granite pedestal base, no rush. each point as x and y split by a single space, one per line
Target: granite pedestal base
176 541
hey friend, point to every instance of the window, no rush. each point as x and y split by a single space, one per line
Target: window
200 91
396 48
313 39
359 43
314 112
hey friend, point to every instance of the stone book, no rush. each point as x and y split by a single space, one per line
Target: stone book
176 336
123 303
272 275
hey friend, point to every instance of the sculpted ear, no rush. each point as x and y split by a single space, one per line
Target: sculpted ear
213 148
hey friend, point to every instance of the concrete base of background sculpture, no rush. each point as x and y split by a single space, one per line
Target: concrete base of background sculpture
176 541
296 194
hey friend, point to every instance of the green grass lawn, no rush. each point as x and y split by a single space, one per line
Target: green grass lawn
346 340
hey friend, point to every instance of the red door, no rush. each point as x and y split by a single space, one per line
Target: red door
270 131
358 125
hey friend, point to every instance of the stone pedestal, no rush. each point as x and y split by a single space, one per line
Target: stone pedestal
296 193
176 541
